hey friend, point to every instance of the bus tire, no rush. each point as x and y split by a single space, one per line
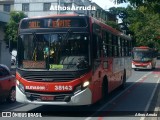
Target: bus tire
104 89
124 80
135 69
12 96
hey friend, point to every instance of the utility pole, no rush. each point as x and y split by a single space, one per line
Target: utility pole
58 6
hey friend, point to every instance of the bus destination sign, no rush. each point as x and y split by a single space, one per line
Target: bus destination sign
52 23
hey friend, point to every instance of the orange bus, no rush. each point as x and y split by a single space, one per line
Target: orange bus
144 58
70 60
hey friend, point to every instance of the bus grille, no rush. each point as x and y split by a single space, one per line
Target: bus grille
57 97
49 76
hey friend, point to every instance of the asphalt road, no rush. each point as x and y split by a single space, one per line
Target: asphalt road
137 101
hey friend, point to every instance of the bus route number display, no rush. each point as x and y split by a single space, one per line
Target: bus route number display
34 24
59 23
52 23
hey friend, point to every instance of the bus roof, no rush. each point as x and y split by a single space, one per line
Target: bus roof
53 15
143 47
94 20
110 29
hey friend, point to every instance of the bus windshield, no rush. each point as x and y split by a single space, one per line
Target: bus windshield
53 51
142 55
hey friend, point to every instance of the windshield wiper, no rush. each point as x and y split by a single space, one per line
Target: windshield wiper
67 35
35 43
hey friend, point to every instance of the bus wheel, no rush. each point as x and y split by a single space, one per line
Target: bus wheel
104 89
124 80
12 96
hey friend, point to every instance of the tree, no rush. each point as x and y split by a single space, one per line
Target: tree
151 5
11 29
142 23
113 24
121 13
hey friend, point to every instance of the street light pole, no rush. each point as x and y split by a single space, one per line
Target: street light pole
58 5
90 14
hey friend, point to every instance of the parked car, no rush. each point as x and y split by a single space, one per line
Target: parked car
7 85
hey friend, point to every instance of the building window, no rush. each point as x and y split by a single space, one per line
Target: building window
68 5
46 6
25 7
7 8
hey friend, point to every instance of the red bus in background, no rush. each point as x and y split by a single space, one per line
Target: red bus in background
70 60
144 58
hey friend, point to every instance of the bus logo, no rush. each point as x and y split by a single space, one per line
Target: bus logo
36 87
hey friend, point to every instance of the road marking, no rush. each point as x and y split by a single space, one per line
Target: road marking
150 99
109 102
14 107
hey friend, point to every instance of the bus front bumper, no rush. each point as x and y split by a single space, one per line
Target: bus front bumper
148 66
82 98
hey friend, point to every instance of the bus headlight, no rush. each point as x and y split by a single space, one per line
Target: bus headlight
81 87
149 65
20 86
85 84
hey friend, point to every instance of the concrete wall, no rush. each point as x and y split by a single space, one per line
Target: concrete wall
5 57
4 17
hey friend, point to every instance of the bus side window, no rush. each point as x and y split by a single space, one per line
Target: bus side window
119 47
105 38
110 51
126 47
114 46
97 45
122 47
97 41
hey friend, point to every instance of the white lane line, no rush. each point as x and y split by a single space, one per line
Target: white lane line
151 98
109 102
14 107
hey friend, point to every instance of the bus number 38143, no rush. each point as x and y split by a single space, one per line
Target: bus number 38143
63 87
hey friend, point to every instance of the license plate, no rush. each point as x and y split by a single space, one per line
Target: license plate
47 98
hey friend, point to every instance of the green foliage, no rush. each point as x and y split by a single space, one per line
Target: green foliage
113 24
151 5
145 26
143 21
11 29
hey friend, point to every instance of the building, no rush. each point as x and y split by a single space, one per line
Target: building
47 7
43 6
102 14
5 7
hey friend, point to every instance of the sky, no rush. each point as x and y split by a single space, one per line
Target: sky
106 4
